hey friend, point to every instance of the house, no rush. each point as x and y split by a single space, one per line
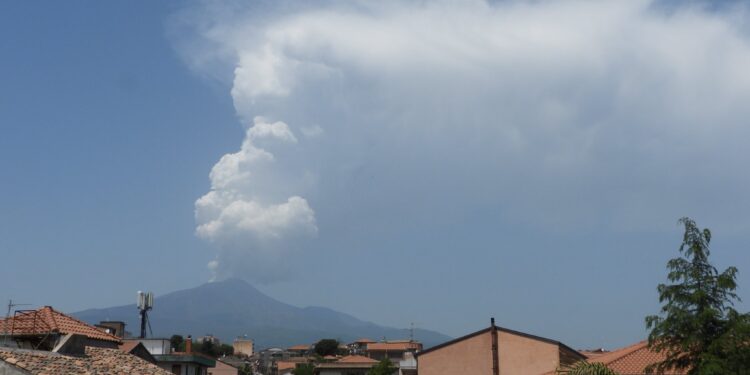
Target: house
408 364
285 367
223 368
632 360
393 350
88 360
115 328
185 363
243 346
209 338
496 351
179 363
349 365
154 346
43 329
300 350
359 347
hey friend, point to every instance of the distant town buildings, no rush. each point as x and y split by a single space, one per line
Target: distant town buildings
47 341
208 338
243 346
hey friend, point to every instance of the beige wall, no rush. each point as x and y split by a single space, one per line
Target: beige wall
222 369
518 355
523 355
470 356
243 347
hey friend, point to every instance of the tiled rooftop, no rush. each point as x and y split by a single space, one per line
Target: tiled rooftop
632 360
395 346
47 319
356 359
299 347
97 361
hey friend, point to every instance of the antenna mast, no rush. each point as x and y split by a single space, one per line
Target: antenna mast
145 303
11 305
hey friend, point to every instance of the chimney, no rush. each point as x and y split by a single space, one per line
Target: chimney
189 344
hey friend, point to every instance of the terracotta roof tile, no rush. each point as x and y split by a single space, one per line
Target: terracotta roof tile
364 340
633 360
47 319
356 359
128 346
299 347
99 361
395 346
283 365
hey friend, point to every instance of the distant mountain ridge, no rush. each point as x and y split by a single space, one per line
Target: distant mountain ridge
231 308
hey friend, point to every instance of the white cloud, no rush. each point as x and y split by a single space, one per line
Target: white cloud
557 114
241 217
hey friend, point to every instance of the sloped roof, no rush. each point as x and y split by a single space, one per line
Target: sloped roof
285 365
349 362
395 346
633 360
97 361
364 340
506 330
299 347
46 319
356 359
129 345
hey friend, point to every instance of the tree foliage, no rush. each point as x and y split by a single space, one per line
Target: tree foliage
384 367
177 342
245 370
304 369
212 350
698 329
326 347
586 368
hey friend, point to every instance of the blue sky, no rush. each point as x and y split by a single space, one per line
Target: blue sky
402 162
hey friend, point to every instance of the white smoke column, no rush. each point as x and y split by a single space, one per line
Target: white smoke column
250 226
551 115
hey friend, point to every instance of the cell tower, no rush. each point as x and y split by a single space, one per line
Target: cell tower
145 303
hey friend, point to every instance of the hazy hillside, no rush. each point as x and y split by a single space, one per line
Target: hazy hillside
233 307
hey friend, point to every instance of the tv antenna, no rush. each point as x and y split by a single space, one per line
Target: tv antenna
145 303
11 305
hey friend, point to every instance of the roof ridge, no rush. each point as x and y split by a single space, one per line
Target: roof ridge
618 354
51 311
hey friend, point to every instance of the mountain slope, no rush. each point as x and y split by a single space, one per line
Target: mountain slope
231 308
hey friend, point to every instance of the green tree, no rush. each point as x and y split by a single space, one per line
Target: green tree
304 369
384 367
225 349
206 347
246 370
326 347
586 368
698 329
177 341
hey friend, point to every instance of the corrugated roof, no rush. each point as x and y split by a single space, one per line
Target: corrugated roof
48 320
